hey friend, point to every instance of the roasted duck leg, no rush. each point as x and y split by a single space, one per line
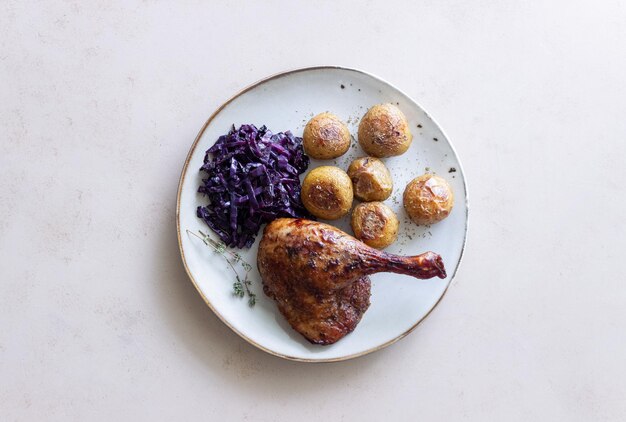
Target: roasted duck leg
317 274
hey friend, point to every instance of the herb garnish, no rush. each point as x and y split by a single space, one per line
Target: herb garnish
241 287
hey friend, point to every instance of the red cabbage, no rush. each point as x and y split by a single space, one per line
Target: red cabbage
252 178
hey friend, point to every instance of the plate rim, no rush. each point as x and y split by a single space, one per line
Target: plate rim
182 252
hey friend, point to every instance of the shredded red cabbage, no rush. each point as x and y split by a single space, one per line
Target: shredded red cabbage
252 178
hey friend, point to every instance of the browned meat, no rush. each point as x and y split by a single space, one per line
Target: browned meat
322 318
318 275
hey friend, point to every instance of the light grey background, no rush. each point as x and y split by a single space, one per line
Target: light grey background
99 104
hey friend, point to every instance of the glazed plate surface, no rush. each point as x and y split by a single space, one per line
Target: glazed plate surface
398 303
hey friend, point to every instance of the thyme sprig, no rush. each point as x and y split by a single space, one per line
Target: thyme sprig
241 287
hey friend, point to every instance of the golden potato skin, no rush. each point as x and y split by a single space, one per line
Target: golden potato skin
327 192
428 199
325 137
375 224
384 131
371 180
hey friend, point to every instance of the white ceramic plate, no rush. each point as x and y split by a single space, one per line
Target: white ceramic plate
286 102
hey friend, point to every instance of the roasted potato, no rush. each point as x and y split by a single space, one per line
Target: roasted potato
327 192
371 180
375 224
428 199
384 131
325 137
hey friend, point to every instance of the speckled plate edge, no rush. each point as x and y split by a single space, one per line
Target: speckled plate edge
182 253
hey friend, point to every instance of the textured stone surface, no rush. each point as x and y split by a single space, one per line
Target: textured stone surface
99 105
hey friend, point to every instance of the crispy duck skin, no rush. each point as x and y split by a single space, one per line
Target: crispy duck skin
317 274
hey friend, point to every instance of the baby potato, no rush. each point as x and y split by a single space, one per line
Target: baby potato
384 131
325 137
428 199
375 224
371 180
327 192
